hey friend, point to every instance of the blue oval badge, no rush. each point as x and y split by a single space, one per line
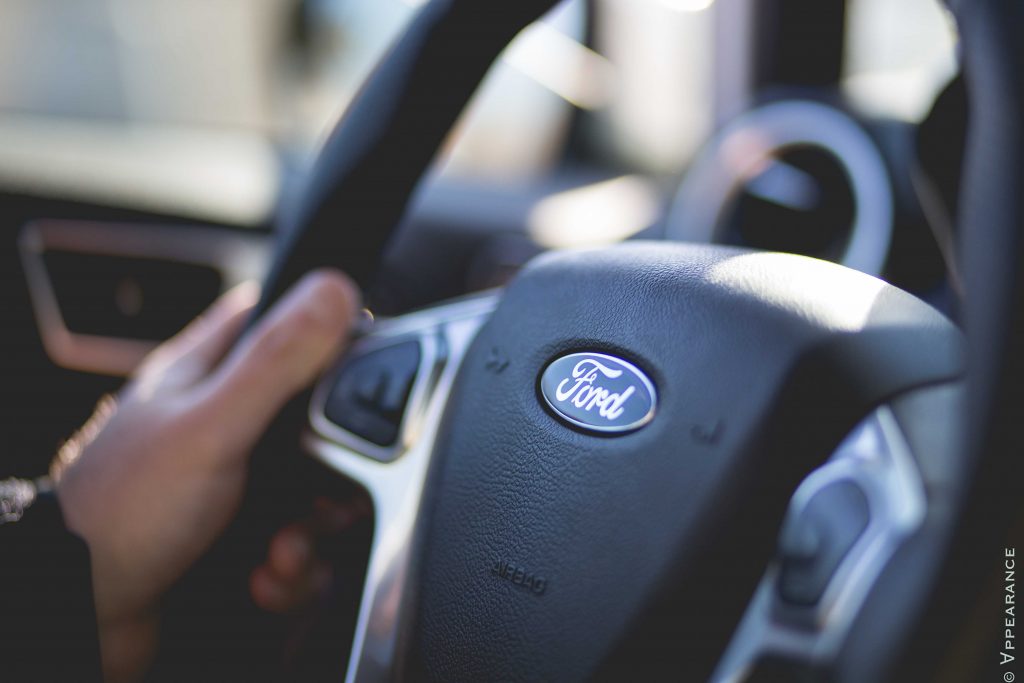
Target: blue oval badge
599 392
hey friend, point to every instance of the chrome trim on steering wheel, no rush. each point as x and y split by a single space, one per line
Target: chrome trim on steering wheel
396 488
876 457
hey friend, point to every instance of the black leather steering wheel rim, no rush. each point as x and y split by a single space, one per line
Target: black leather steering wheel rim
991 233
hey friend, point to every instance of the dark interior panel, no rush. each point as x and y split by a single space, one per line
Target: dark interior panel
130 297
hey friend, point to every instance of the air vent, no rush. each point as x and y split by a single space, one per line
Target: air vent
799 202
793 175
105 294
129 297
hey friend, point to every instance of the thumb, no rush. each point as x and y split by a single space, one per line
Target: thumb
283 354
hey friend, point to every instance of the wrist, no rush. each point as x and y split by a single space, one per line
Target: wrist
127 638
128 647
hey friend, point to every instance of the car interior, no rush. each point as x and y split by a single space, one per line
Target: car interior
689 350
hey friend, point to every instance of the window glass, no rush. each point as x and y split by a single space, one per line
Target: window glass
899 55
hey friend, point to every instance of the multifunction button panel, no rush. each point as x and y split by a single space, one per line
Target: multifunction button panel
372 400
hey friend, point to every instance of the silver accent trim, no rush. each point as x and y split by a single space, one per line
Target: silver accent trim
396 488
875 456
740 147
238 257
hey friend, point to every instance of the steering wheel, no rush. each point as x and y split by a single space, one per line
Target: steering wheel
585 475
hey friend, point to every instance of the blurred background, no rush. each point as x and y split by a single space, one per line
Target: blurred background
147 148
156 96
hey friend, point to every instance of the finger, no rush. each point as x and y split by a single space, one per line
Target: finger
189 355
293 343
269 593
280 596
291 551
212 334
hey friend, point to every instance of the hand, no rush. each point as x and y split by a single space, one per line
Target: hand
293 574
151 483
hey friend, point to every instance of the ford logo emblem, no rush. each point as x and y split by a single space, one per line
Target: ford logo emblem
598 392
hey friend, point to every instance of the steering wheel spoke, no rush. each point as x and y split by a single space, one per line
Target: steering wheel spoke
845 522
394 475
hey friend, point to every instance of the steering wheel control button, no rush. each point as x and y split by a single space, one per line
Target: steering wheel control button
599 393
816 538
372 390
